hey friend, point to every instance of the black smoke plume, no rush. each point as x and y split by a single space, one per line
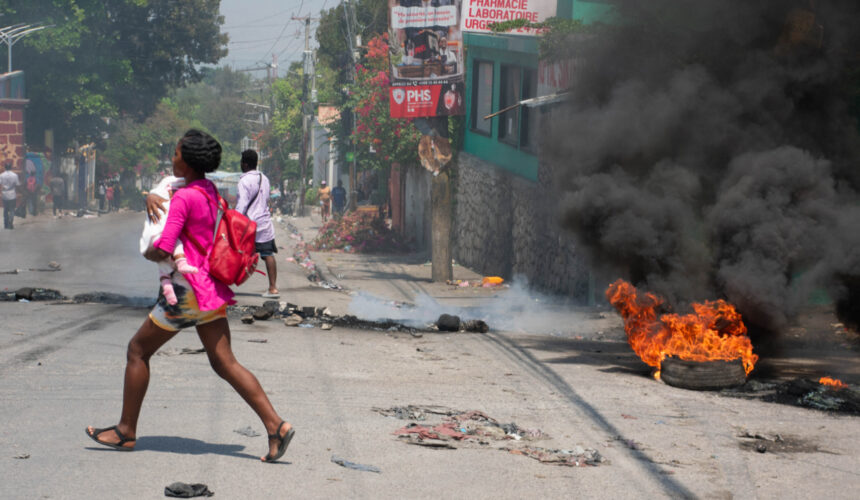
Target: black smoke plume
710 149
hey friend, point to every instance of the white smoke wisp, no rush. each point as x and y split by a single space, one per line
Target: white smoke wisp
512 309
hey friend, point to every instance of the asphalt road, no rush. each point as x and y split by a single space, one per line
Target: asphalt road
61 369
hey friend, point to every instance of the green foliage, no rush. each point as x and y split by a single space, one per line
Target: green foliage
312 196
554 43
392 139
108 58
213 105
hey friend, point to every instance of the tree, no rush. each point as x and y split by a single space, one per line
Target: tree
392 139
213 104
109 58
284 136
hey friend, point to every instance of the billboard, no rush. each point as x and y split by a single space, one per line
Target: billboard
477 14
426 58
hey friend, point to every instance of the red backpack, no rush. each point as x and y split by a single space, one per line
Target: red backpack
234 256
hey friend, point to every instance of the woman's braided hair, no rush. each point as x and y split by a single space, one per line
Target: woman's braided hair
200 151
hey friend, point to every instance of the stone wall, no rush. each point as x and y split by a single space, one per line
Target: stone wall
507 226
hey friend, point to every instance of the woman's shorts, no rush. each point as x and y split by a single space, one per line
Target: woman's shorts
186 313
266 248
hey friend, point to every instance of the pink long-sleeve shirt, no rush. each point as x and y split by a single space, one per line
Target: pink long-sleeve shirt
192 214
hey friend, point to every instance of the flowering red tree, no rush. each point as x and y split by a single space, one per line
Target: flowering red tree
392 139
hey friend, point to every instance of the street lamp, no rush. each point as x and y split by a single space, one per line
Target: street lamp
11 34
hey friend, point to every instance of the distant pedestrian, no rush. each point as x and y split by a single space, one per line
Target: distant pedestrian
100 194
325 200
10 184
31 188
109 198
338 198
202 304
252 200
58 192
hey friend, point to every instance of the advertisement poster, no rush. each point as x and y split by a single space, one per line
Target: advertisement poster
477 14
426 54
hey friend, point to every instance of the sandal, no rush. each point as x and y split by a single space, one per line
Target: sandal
122 439
282 446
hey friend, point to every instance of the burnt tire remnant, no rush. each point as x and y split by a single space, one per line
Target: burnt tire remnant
702 375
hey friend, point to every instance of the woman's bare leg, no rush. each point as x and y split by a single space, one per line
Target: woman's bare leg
148 339
216 339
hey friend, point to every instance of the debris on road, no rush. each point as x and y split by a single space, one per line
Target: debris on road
577 457
414 412
247 431
293 320
185 490
113 298
22 456
258 341
476 429
266 311
352 465
358 232
448 323
801 392
247 319
36 293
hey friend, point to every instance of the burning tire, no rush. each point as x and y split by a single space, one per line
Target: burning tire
702 375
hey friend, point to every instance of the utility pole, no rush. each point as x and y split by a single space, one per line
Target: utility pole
353 39
306 110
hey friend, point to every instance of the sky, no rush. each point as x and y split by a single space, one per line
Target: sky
260 28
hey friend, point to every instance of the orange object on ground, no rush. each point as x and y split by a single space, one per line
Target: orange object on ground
492 280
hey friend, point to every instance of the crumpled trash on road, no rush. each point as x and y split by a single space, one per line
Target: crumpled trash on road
414 412
577 457
352 465
476 429
185 490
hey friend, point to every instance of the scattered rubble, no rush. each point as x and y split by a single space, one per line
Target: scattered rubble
30 294
476 429
448 323
357 232
800 392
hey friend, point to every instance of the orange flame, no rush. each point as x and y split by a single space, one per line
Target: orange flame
835 382
714 332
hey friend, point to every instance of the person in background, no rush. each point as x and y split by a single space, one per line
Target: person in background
109 198
100 194
31 188
58 192
325 200
9 183
253 201
338 198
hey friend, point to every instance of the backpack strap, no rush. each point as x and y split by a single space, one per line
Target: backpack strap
218 218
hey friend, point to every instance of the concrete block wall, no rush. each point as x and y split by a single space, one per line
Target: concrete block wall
507 226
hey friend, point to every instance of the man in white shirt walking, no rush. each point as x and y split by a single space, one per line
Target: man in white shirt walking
9 183
253 201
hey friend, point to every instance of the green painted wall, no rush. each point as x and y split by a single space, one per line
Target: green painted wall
500 49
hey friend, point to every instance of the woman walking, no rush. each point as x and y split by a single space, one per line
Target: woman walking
202 303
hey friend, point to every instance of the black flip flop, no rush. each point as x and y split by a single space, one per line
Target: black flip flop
122 439
282 446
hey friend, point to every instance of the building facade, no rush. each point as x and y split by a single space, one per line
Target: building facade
506 215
